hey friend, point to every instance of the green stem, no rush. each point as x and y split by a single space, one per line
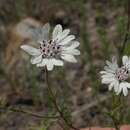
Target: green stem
53 98
115 108
117 127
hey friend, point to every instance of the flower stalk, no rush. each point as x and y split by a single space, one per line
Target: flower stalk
54 101
116 106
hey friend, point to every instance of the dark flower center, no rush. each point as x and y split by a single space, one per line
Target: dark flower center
50 49
122 74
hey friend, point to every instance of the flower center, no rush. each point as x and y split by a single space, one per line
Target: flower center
122 74
50 49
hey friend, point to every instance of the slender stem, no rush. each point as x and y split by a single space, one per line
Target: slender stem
53 98
27 112
117 127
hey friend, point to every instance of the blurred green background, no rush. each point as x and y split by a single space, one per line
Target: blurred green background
99 25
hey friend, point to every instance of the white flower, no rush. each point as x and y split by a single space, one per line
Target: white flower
54 49
116 77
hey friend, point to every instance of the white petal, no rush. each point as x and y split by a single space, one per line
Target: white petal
125 91
45 31
120 89
50 65
123 88
107 69
107 80
111 86
69 58
72 52
114 60
74 44
62 35
116 85
57 31
36 59
104 72
67 40
109 76
128 85
43 63
31 50
58 62
109 63
112 66
125 60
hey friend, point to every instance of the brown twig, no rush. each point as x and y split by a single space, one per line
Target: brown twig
27 112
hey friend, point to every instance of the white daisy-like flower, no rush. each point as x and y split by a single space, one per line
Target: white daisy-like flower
54 49
116 77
